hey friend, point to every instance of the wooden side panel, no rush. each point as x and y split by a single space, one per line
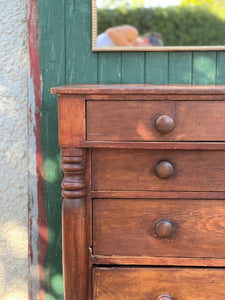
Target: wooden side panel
130 170
71 121
150 283
127 227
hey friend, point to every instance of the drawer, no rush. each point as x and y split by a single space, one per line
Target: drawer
151 283
156 228
136 121
157 170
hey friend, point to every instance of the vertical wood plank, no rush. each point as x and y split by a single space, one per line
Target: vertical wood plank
52 62
109 68
156 68
204 67
81 62
180 67
220 75
133 67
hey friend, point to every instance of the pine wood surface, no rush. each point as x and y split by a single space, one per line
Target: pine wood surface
135 120
74 225
71 120
158 195
119 260
155 96
150 283
134 170
136 88
127 227
156 145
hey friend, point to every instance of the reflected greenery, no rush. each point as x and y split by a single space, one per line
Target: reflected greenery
192 23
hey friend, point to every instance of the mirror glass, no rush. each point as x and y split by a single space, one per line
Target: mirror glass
158 25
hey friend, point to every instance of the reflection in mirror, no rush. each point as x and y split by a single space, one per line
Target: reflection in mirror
153 25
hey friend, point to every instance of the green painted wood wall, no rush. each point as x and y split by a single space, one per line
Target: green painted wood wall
66 57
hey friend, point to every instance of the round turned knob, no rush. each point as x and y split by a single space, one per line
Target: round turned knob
164 297
164 124
164 169
164 228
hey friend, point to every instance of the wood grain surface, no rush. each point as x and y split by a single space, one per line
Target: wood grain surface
75 227
134 170
113 260
71 118
128 227
129 88
135 120
150 283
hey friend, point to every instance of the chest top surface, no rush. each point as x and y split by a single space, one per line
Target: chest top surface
122 89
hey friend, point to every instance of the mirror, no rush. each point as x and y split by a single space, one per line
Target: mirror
158 25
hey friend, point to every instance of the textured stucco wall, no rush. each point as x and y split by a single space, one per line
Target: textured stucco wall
13 150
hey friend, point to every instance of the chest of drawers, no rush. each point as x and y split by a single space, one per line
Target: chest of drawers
143 187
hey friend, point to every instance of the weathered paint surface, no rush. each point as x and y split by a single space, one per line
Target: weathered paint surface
38 231
65 54
51 28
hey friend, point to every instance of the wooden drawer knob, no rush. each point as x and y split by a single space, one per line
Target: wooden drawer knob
164 169
164 297
164 228
164 124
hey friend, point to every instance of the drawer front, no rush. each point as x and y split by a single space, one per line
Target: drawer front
153 170
151 283
143 121
156 228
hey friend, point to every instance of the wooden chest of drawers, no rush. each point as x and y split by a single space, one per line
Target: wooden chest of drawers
143 191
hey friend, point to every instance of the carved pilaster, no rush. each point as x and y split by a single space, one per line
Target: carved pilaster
73 166
75 249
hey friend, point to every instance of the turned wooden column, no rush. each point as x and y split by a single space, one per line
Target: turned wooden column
74 231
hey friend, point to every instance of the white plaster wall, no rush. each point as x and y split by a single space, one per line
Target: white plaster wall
13 150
